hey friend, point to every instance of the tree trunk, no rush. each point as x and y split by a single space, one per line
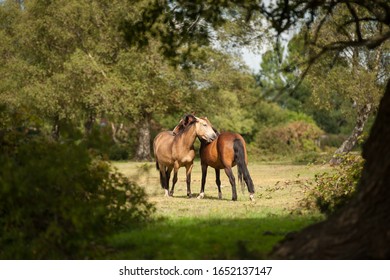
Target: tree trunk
143 148
114 131
55 129
88 124
357 131
361 230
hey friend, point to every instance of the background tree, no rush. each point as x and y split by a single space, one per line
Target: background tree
62 42
358 230
355 76
279 76
150 87
223 87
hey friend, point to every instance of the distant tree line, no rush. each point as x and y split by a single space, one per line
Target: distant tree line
71 63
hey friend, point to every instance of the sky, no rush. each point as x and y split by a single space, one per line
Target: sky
251 59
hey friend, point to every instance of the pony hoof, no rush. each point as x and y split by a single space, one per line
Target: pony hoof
166 193
220 195
189 195
252 197
201 195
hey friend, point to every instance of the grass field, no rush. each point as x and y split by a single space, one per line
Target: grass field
210 228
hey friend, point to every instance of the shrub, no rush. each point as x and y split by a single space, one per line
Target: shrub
332 140
119 152
56 202
332 191
286 139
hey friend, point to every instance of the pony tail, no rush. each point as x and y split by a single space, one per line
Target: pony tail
157 166
243 172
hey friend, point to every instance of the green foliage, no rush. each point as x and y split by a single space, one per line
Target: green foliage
56 202
288 139
269 114
281 133
346 81
207 238
333 190
221 89
332 140
119 152
279 76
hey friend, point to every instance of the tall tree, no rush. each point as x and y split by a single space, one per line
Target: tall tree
279 75
223 87
150 87
360 229
72 64
356 75
69 45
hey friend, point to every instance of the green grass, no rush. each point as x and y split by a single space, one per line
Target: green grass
217 229
205 239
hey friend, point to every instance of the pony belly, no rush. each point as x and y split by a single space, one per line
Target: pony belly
215 164
165 160
210 158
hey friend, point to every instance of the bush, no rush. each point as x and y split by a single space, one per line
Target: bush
290 138
119 152
272 115
332 191
332 140
56 202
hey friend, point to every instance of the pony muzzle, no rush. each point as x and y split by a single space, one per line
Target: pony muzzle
211 138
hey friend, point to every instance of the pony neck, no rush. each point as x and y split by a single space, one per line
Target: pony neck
187 137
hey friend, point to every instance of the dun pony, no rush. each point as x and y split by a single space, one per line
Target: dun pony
174 149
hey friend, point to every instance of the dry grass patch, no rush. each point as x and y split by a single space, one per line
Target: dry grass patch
279 187
211 228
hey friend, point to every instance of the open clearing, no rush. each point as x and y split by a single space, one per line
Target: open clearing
211 228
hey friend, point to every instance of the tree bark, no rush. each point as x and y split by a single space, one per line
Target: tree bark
88 124
143 148
114 131
55 129
361 230
357 131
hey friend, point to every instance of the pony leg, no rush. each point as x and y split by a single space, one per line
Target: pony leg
229 173
249 184
218 182
168 177
188 179
175 170
204 175
163 178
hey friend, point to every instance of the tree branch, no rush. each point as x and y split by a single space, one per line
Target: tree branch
357 21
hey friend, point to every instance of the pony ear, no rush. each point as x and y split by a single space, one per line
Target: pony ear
188 119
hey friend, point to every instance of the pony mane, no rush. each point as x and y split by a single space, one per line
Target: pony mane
178 128
184 123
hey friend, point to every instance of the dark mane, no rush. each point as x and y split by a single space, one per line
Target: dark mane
179 128
185 123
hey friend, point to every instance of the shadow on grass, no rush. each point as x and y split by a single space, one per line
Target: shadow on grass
195 196
206 239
